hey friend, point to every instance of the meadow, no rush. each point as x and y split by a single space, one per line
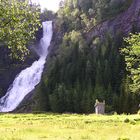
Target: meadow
69 127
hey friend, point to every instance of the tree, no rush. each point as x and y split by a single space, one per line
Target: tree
18 23
132 59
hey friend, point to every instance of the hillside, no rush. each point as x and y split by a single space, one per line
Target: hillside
85 63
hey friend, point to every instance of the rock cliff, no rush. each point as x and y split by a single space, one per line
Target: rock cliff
124 22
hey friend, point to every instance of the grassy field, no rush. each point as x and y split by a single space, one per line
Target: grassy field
69 127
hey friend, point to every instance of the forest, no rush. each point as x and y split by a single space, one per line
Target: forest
80 67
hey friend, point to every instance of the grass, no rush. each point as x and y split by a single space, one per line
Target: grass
69 127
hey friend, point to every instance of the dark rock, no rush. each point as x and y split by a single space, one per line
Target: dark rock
26 104
39 34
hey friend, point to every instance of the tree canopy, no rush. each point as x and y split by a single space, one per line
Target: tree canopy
132 59
18 23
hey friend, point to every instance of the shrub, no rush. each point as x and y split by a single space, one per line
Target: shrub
126 120
133 122
123 139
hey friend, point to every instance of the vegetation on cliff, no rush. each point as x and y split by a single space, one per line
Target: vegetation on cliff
80 71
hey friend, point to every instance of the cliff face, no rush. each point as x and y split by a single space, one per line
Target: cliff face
124 22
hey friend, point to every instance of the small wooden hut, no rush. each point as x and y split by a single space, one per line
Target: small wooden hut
99 107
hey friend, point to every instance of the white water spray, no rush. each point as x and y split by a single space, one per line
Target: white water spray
27 79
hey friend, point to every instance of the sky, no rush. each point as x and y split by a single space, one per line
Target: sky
49 4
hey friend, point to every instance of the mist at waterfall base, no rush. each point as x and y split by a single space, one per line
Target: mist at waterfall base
28 78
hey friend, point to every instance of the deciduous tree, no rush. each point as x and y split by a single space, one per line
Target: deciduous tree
132 59
18 23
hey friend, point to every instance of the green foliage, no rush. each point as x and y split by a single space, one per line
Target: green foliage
79 74
126 120
47 15
18 23
80 71
88 13
132 59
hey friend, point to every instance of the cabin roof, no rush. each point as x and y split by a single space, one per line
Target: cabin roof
99 104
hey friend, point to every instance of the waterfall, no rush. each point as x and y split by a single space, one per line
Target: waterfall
28 78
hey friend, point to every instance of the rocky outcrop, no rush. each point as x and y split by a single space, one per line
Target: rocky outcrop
124 22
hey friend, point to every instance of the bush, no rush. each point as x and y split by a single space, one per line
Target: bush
126 120
133 122
123 139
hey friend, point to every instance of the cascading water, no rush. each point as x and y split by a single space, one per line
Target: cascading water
27 79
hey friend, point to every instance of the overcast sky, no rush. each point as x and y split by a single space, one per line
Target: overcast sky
49 4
